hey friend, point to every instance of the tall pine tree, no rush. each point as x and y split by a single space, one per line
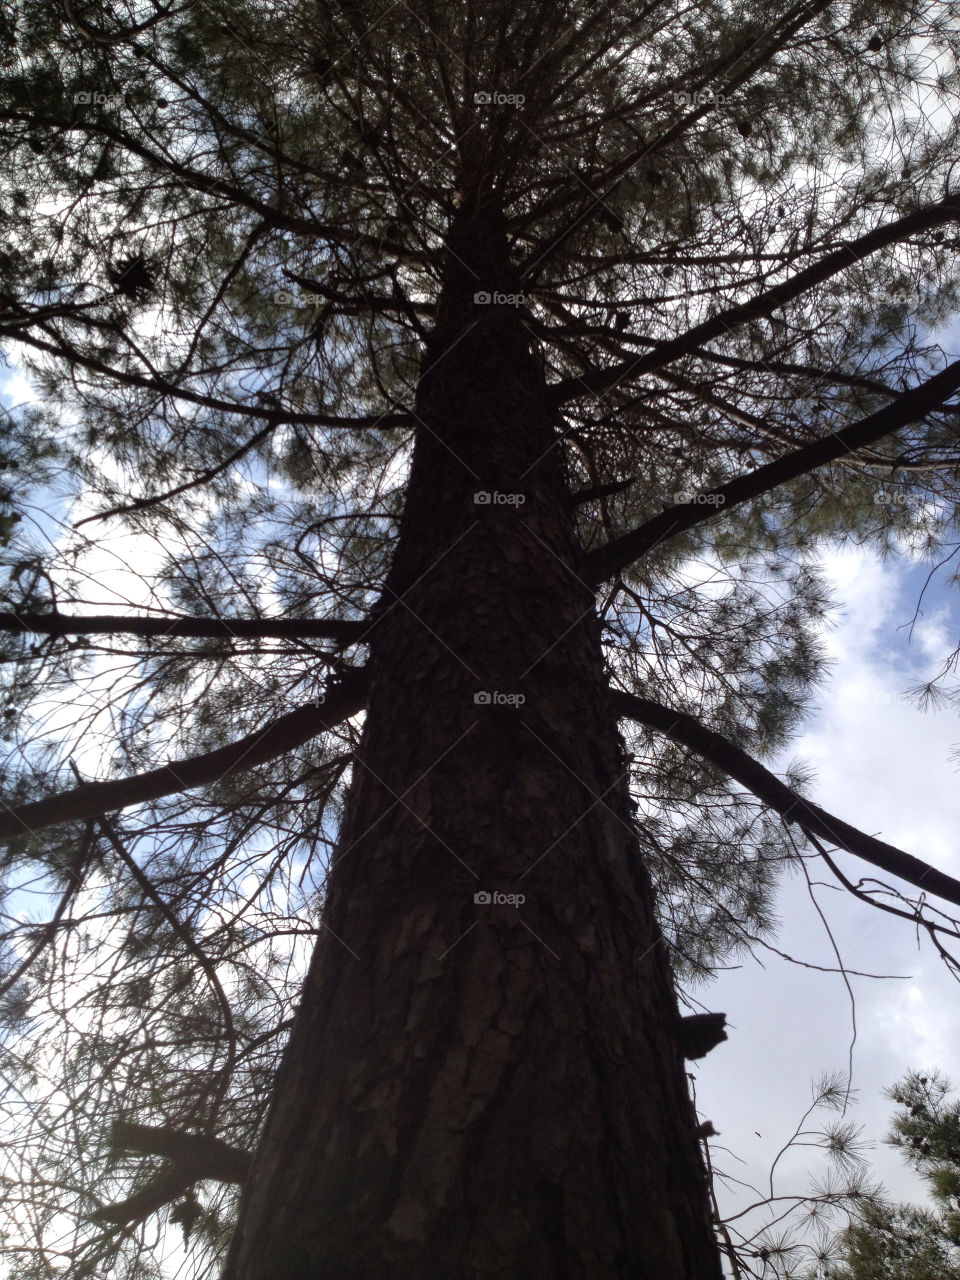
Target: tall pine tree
494 374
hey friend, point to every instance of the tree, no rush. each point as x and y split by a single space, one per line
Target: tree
418 352
904 1240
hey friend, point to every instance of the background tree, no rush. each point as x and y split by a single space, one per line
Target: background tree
417 355
902 1240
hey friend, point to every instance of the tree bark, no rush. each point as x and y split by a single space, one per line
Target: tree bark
483 1090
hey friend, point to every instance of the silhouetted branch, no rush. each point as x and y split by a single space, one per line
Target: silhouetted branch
60 624
906 408
757 308
194 1157
766 786
164 387
161 1190
213 1157
142 504
103 38
343 699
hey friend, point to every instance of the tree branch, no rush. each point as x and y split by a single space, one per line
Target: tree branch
757 308
60 624
102 38
142 504
159 1191
829 377
211 1157
605 561
189 941
862 458
194 1156
343 699
689 732
162 387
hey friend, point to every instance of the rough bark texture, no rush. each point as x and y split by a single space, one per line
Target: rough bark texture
476 1091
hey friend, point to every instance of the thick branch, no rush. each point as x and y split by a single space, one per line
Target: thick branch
766 786
210 1157
908 407
102 38
194 1157
343 700
159 1191
826 377
862 458
60 624
758 308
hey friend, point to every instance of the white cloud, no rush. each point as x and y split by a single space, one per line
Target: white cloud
884 766
15 389
911 1028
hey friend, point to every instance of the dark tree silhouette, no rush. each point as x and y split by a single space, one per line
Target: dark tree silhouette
411 552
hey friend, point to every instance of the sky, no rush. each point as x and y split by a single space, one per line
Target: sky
884 766
892 770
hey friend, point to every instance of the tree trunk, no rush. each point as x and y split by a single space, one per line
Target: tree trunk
483 1089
